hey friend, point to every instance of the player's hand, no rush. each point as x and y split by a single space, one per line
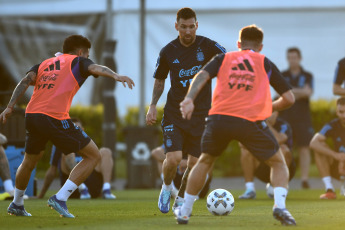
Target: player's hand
151 116
187 108
124 80
5 114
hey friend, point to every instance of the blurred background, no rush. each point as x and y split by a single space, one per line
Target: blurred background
128 36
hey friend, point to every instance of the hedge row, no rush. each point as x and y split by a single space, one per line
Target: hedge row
92 118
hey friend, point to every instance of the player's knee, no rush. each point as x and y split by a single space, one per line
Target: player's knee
206 159
173 159
191 162
106 153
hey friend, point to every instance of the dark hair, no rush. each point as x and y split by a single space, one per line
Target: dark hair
341 101
74 42
185 13
251 34
295 49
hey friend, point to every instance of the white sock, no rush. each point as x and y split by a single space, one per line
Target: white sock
280 194
82 186
106 186
162 176
187 206
167 187
67 189
18 197
8 185
250 186
328 183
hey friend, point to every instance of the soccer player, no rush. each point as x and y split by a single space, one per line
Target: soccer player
183 58
331 160
299 116
252 167
339 78
56 81
96 184
241 103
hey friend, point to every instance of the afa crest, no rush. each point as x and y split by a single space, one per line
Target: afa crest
200 55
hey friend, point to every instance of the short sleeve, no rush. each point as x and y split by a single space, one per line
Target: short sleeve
84 67
212 67
162 67
277 81
326 130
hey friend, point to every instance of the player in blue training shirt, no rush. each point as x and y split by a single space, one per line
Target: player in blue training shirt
339 78
299 116
331 161
183 58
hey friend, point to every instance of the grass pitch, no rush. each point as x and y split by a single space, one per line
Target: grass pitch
137 209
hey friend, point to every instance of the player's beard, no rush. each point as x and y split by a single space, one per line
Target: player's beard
188 40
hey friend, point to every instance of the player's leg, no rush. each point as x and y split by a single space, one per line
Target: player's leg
169 168
5 174
248 167
304 155
324 164
48 179
22 179
196 181
105 167
260 141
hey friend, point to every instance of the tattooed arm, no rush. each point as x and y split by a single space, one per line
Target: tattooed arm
18 92
158 89
187 105
104 71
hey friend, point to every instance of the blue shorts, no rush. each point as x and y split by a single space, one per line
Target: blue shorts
255 136
183 136
64 134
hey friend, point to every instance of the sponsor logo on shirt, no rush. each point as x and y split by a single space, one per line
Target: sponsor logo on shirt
189 72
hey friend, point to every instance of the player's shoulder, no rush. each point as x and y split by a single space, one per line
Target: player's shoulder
306 73
205 41
341 62
174 44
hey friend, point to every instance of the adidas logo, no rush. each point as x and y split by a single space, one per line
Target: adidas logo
241 66
70 191
176 61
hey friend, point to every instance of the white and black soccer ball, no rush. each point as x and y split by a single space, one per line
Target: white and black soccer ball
220 202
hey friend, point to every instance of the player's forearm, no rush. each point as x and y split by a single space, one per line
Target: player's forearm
158 89
197 84
338 90
286 100
104 71
322 148
20 89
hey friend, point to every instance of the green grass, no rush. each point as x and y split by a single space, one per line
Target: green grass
137 209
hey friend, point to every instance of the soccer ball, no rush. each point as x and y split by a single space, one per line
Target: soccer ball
220 202
269 191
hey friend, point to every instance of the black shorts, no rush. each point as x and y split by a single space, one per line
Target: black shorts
183 136
263 172
255 136
94 184
64 134
302 133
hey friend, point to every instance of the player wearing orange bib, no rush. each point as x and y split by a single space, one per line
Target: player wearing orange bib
240 105
56 81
